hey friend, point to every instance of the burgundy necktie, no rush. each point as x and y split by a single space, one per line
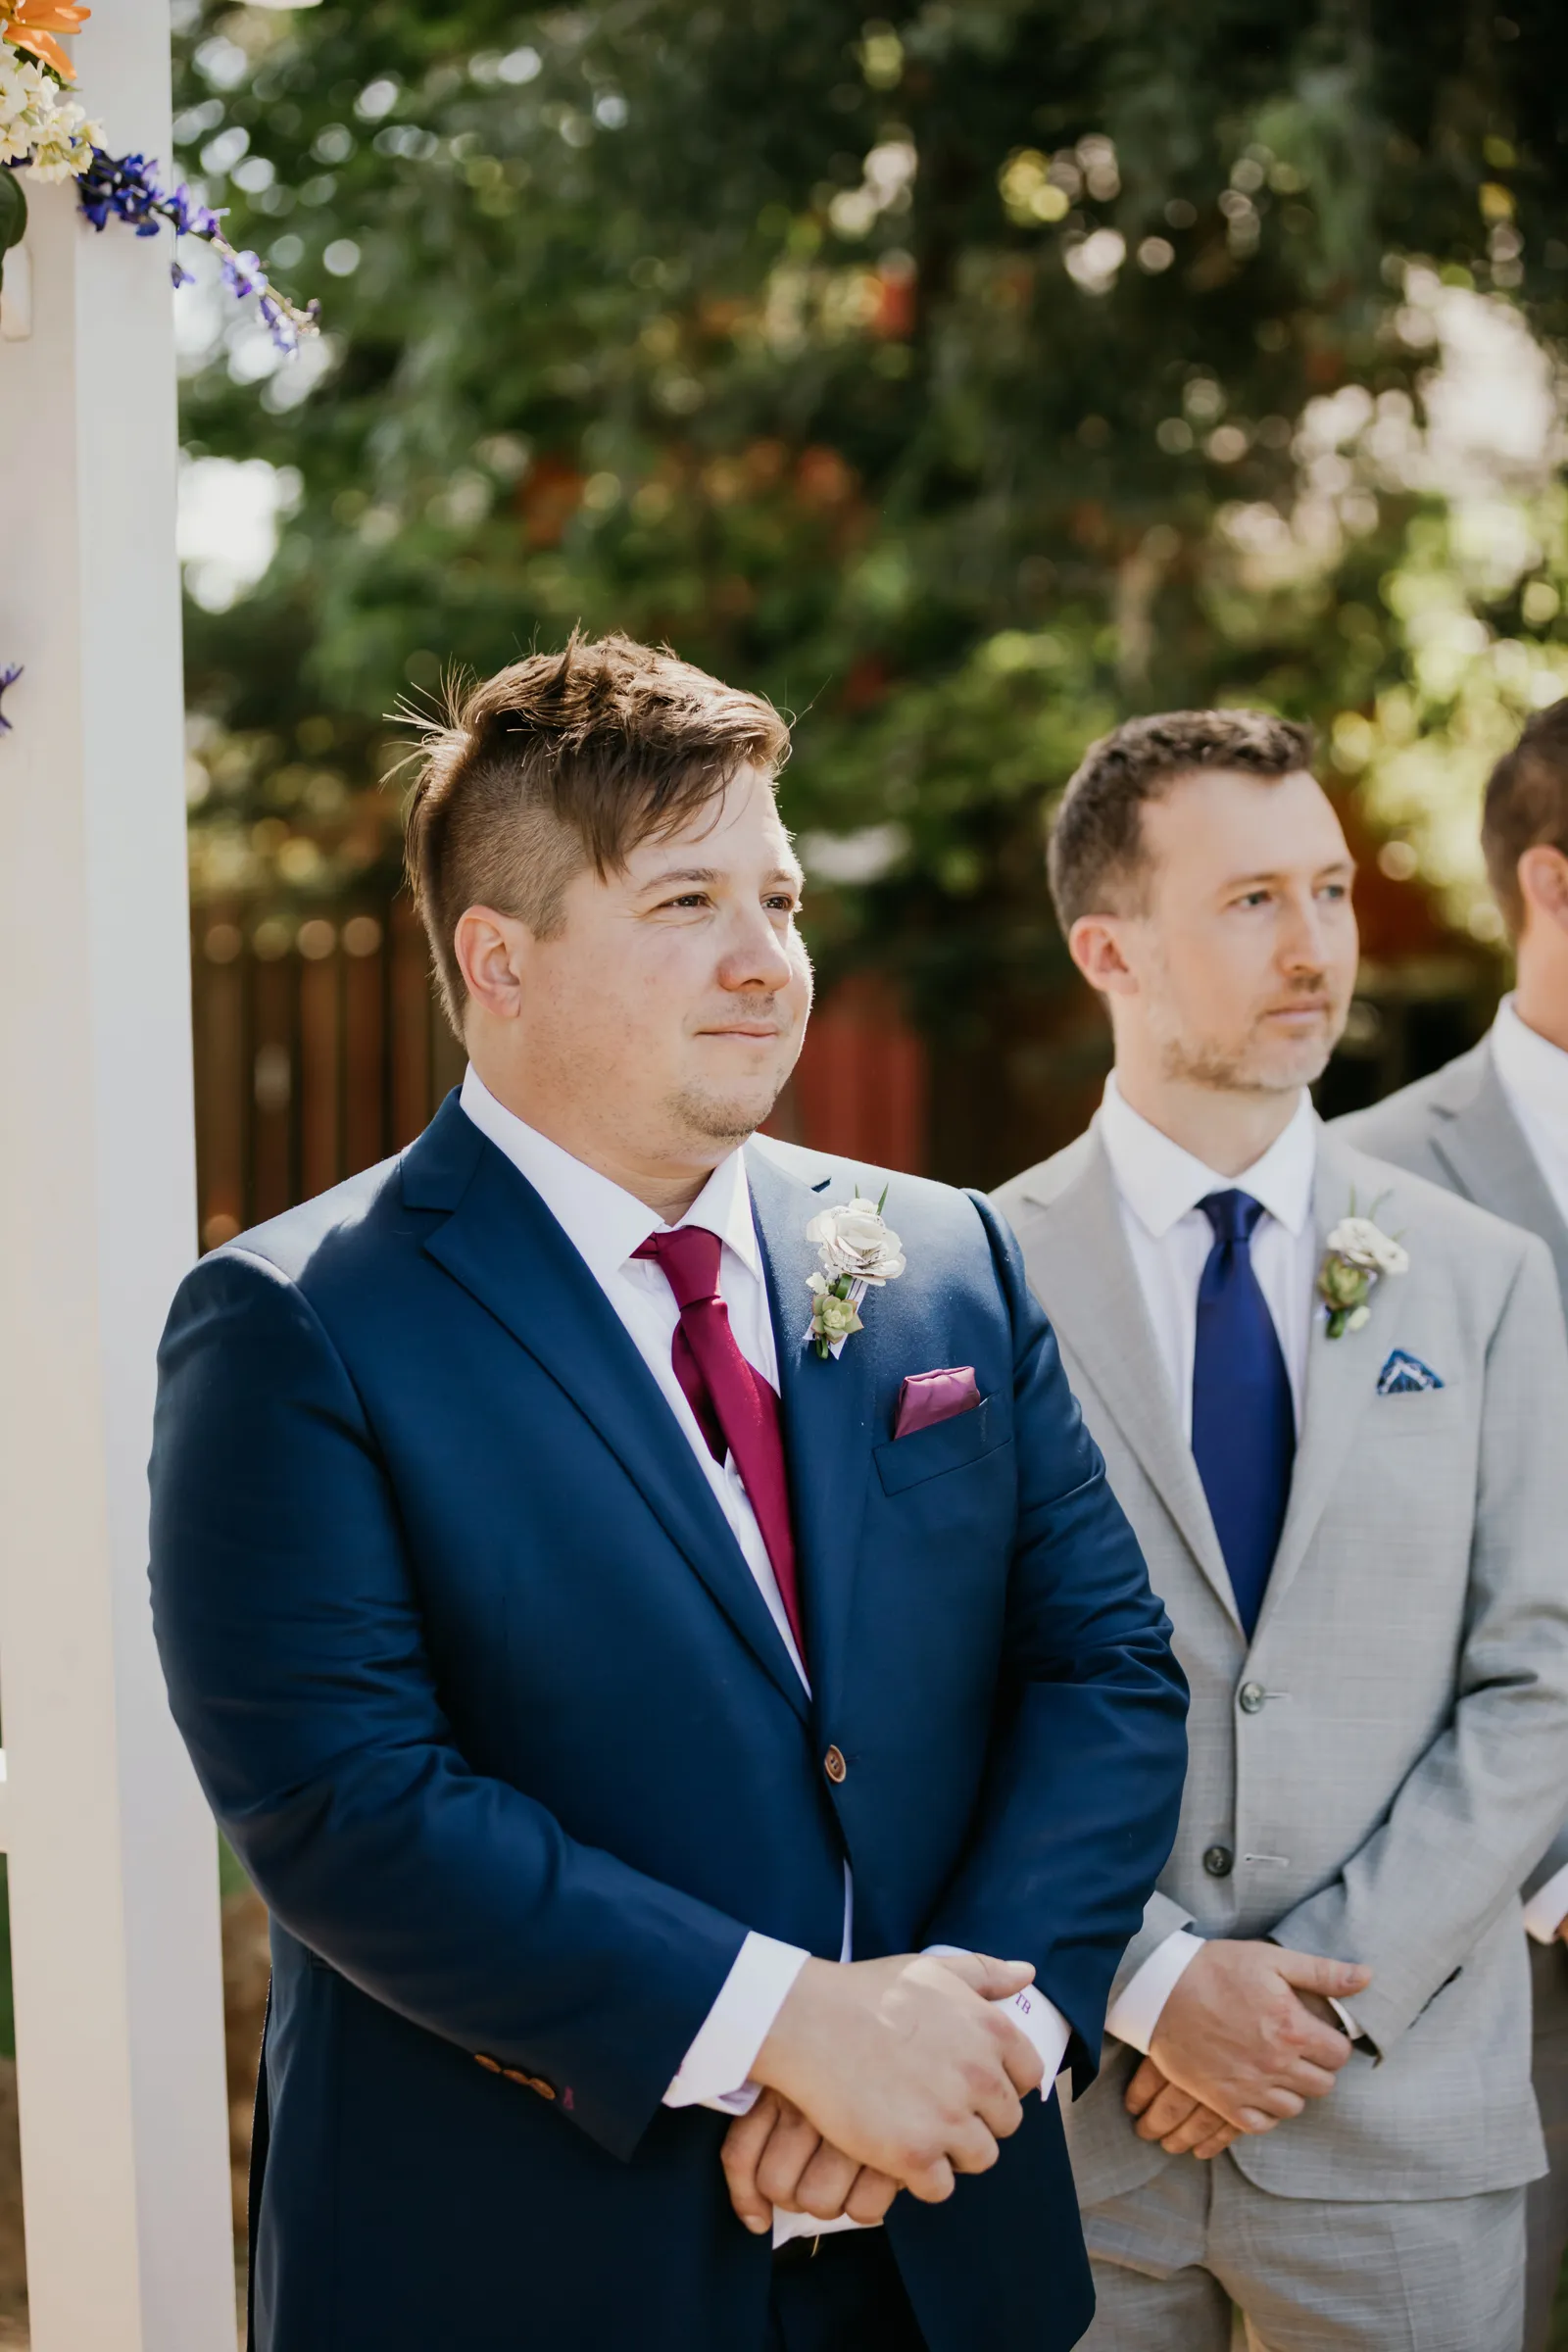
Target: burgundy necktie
736 1409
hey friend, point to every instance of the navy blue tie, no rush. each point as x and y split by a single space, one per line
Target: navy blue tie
1244 1423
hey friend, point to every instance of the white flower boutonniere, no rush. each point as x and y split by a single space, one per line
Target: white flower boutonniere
1357 1257
858 1252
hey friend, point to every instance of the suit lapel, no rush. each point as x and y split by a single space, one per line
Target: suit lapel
1083 1273
506 1250
1480 1143
827 1414
1341 1377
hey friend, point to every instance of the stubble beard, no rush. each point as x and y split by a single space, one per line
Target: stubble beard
710 1114
713 1118
1253 1065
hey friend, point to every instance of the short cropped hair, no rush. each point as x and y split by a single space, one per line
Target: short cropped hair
562 762
1097 855
1526 808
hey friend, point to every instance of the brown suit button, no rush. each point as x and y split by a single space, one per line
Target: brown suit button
492 2066
514 2073
834 1766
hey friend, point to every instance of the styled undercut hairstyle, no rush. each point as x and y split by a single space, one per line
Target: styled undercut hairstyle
1097 858
563 761
1526 808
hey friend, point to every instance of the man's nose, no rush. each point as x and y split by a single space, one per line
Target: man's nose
756 958
1303 945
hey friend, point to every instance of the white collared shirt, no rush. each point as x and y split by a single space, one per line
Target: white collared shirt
1158 1188
605 1226
1532 1074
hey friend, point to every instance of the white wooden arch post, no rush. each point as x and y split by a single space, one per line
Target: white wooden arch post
113 1865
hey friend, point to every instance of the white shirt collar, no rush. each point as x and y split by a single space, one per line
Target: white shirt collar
604 1223
1533 1070
1162 1183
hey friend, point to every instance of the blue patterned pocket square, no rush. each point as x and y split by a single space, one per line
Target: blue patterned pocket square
1405 1375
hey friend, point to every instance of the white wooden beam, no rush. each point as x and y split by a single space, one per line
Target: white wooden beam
113 1865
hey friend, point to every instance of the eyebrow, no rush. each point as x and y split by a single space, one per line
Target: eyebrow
792 875
1336 865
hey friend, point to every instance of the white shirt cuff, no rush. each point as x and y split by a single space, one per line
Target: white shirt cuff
1547 1907
716 2071
1041 2022
1038 2019
1136 2011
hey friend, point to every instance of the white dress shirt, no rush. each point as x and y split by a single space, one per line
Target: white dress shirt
1532 1074
606 1226
1158 1187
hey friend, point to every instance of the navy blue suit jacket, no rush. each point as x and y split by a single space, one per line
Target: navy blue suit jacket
482 1691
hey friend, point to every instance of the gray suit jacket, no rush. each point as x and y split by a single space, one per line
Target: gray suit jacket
1384 1761
1456 1127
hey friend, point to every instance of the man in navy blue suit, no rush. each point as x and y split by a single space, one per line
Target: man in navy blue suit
647 1614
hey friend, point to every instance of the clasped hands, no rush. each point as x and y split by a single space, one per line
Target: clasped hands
1245 2040
881 2075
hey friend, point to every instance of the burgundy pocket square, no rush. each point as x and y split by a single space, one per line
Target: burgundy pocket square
928 1398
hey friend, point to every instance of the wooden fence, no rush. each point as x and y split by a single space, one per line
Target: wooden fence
320 1049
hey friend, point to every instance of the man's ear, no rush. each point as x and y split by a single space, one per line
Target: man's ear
1543 884
1095 943
490 949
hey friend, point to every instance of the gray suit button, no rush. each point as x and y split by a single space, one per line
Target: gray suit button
1251 1697
1218 1861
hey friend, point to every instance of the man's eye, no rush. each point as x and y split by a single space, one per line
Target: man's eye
1336 890
690 898
783 904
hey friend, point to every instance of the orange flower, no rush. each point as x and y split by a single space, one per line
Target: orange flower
33 24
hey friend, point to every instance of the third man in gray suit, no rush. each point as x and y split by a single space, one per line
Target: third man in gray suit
1494 1128
1331 1399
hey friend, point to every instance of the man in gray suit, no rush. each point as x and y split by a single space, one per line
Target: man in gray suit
1494 1128
1331 1398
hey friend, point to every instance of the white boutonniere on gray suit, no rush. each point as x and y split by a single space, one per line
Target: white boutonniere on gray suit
1357 1255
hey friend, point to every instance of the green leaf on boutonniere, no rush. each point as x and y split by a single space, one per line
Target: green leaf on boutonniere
833 1315
1356 1258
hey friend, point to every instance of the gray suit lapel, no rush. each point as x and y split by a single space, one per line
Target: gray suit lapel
1481 1145
1340 1378
1084 1275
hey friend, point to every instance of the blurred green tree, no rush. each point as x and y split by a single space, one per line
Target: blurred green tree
964 379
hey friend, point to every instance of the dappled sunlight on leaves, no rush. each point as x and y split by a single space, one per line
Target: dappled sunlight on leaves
964 379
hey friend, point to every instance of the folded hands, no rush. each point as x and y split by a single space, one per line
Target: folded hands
901 2073
1246 2038
881 2075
